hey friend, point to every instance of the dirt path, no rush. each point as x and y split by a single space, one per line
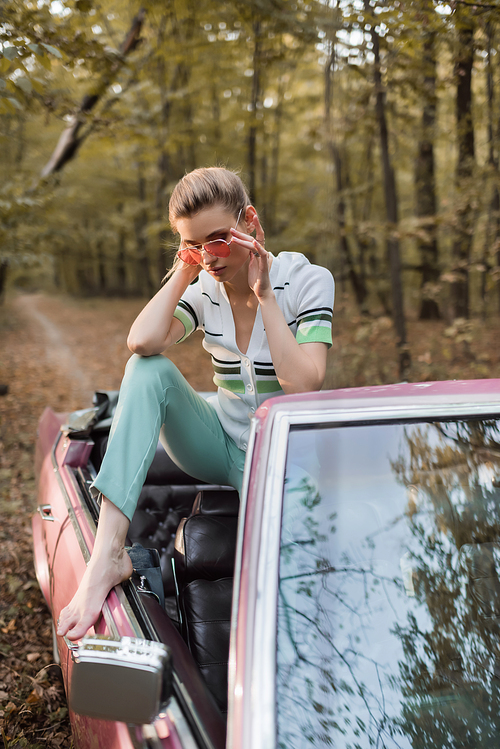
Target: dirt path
53 351
59 353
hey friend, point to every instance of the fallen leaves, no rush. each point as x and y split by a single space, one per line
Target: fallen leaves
86 352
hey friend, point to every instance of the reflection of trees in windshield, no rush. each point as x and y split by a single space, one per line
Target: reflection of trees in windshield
318 676
450 670
300 626
387 634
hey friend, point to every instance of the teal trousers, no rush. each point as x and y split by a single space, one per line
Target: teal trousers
157 402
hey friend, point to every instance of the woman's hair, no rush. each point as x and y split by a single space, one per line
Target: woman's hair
204 188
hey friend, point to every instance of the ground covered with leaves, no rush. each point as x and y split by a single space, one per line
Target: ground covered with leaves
52 352
56 351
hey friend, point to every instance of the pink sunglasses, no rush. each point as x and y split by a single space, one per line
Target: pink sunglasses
217 248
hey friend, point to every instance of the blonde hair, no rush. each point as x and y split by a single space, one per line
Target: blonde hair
204 188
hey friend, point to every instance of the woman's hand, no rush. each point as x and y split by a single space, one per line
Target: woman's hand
155 328
191 271
299 367
258 267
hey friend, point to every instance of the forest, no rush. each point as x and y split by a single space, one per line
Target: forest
368 135
367 132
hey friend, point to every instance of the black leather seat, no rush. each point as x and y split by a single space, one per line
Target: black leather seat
204 552
166 497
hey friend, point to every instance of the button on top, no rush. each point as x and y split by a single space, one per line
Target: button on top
246 362
250 388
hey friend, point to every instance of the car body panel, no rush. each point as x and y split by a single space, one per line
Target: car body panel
63 538
63 543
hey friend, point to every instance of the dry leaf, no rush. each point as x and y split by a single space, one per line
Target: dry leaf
33 698
11 626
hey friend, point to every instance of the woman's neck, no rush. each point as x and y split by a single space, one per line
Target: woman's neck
238 289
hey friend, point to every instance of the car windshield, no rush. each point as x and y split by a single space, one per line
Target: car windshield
389 589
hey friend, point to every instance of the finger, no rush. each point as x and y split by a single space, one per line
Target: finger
248 242
258 249
241 235
259 231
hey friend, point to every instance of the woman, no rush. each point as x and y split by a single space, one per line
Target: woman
267 324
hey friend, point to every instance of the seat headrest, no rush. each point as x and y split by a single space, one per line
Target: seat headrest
205 548
216 502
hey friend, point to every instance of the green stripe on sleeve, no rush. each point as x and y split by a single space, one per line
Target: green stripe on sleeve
186 321
315 334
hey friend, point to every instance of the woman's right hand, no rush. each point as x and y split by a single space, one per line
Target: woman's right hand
151 332
191 271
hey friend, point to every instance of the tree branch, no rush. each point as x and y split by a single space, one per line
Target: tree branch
69 141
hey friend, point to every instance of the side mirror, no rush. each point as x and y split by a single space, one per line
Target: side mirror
125 680
80 422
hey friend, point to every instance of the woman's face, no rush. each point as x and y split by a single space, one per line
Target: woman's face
212 223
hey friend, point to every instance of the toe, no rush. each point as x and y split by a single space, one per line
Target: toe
64 622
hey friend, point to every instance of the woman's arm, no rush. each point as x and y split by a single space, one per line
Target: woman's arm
301 367
155 328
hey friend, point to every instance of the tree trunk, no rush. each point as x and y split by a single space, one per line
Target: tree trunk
163 167
144 285
254 101
367 247
216 115
163 161
4 265
102 281
465 162
271 228
357 283
425 182
121 273
493 233
491 230
264 187
190 151
391 205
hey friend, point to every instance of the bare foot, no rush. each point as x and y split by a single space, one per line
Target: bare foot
109 565
102 574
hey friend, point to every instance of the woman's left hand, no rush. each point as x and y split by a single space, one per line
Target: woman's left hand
258 267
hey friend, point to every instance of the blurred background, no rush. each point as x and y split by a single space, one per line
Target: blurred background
368 134
366 131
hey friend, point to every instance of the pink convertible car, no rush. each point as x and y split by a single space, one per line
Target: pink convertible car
349 598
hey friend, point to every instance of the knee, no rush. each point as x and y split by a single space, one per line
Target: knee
146 370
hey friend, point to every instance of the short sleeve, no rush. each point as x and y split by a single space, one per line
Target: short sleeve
315 297
189 310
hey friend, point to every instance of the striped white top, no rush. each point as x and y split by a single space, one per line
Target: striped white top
304 293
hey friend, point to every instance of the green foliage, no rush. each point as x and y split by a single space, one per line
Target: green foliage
241 84
35 38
